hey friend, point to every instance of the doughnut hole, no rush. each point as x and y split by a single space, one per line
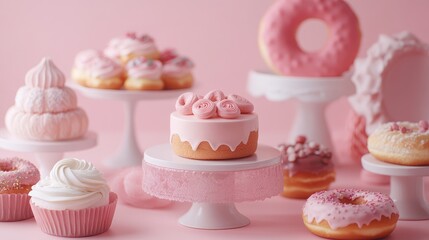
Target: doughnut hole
356 201
312 35
6 167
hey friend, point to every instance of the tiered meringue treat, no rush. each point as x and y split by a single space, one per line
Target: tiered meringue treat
307 168
74 190
144 74
213 127
404 143
17 176
45 109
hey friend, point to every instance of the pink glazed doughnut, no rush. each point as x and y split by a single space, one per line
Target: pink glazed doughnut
350 214
281 51
17 175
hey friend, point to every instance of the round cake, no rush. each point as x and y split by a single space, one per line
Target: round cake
213 127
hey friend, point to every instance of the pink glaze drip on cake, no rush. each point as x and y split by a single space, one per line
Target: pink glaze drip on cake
15 172
306 157
330 206
216 131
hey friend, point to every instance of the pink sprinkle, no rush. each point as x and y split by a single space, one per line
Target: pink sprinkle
424 125
300 139
404 130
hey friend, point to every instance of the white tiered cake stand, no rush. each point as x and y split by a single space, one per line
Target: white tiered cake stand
47 153
406 186
129 153
313 94
212 186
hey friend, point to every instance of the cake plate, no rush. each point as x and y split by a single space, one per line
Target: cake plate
406 186
47 153
313 95
212 186
129 153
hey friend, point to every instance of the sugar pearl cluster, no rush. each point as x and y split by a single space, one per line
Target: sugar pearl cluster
302 149
423 126
214 104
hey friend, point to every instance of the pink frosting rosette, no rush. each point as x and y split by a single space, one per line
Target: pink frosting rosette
204 108
185 102
227 109
245 105
215 96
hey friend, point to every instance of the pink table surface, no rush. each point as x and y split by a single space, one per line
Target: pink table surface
274 218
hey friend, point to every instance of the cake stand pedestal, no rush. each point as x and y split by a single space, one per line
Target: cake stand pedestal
47 153
212 186
129 153
313 95
406 186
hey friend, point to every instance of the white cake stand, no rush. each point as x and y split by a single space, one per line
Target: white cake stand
406 186
313 94
212 186
47 153
129 153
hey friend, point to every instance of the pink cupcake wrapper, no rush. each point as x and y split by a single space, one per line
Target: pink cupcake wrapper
76 223
15 207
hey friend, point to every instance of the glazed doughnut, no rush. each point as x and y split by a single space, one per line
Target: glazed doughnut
403 143
308 168
281 51
350 214
17 176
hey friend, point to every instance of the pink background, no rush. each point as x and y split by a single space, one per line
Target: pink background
220 36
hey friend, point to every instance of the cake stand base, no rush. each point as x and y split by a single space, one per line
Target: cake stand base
406 186
214 216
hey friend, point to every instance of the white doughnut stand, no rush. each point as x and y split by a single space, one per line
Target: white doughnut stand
211 215
129 153
47 153
406 186
313 94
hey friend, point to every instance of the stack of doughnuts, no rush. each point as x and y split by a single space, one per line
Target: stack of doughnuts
403 143
307 168
133 62
213 127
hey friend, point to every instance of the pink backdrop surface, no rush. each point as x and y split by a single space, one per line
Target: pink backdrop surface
220 36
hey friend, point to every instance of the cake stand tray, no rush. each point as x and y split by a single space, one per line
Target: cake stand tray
406 186
212 186
47 153
129 153
313 95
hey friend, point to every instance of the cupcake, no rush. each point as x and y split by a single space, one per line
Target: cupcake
80 71
144 74
104 73
74 190
177 73
17 176
307 168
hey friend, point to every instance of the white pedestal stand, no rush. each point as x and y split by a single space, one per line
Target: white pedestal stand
406 186
47 153
313 94
129 153
207 215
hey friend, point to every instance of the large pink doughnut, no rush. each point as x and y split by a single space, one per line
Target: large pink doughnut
46 126
280 49
16 173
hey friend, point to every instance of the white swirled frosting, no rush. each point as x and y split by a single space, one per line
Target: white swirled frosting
72 184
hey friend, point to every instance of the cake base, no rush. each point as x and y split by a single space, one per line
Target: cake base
205 152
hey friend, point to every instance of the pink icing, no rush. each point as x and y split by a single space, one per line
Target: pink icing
167 55
144 68
84 58
112 49
280 48
178 66
185 102
215 96
45 75
245 105
15 172
103 67
227 109
327 205
136 44
216 131
204 108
